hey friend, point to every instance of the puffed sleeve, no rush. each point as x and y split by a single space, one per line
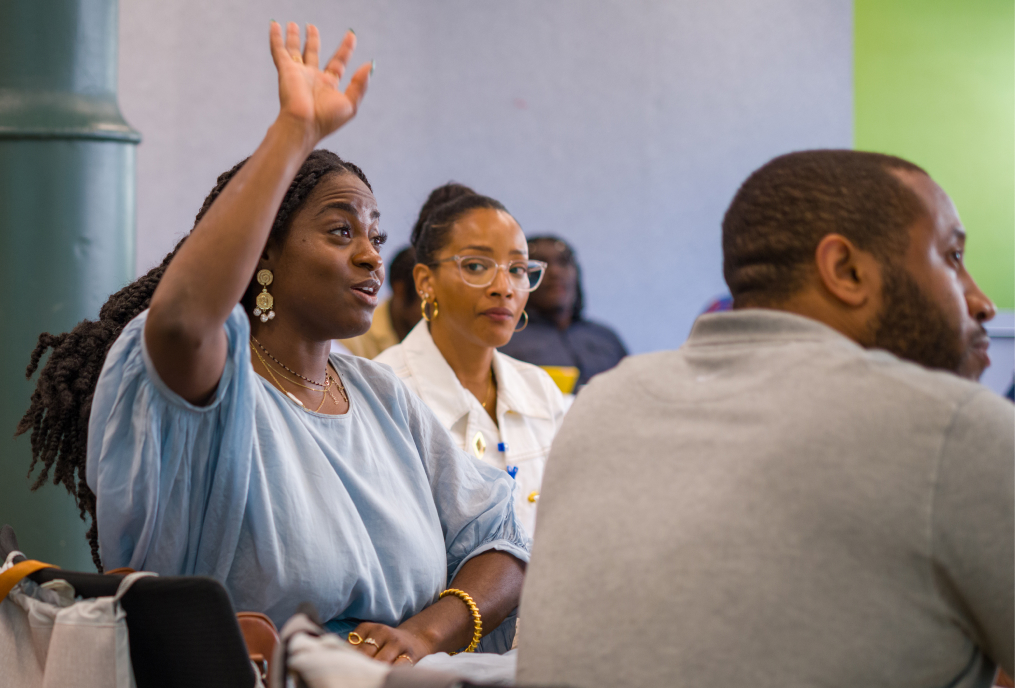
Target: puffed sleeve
475 502
161 468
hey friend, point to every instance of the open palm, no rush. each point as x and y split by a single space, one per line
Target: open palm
310 95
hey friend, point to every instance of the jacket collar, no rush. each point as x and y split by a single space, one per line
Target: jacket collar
761 325
445 395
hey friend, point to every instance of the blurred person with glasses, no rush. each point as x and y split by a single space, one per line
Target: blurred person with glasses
558 339
474 275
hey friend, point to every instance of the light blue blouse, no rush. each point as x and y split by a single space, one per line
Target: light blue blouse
368 515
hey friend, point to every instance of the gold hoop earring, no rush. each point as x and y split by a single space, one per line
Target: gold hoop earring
526 323
423 310
264 301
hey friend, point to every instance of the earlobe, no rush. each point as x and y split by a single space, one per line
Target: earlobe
845 271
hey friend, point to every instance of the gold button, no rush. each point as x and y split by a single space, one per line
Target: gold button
533 496
479 445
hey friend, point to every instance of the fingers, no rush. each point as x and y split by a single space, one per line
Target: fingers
383 643
358 84
393 650
278 47
293 42
310 50
337 64
366 633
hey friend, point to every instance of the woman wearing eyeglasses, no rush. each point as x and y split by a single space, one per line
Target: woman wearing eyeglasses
474 275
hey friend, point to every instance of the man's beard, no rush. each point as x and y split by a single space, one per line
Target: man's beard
914 327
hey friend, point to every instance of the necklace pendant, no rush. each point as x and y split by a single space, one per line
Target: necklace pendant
291 396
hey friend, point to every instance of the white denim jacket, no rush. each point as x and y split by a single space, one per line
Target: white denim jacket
529 411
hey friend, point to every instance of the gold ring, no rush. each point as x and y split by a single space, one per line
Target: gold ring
298 58
371 641
359 638
405 657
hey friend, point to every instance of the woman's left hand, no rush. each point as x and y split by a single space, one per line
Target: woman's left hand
310 96
394 645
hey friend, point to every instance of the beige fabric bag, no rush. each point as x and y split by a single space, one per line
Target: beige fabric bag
50 640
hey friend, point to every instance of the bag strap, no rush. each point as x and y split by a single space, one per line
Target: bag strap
128 581
13 575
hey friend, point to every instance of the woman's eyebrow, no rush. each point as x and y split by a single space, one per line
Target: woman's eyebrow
488 249
347 207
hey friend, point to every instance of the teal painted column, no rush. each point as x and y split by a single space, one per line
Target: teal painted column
66 224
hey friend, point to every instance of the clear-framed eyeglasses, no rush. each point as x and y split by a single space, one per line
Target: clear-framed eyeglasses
481 271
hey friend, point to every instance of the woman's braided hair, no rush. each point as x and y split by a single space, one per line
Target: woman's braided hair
62 400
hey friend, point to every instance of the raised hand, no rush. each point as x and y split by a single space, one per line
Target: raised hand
310 96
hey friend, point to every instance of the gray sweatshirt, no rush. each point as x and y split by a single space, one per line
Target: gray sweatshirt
772 505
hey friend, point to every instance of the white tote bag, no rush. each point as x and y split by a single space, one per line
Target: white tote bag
48 639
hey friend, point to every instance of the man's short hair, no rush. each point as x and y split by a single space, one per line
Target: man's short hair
783 210
400 270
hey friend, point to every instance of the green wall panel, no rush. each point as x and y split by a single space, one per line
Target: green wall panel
67 162
934 84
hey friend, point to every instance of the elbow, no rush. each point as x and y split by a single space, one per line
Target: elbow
168 329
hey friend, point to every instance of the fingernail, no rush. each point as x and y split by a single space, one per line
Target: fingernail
274 22
352 32
372 65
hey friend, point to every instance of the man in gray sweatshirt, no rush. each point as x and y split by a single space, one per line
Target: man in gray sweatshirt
807 492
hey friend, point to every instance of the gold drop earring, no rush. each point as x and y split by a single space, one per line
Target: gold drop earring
264 300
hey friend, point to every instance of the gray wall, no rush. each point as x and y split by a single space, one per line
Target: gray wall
625 127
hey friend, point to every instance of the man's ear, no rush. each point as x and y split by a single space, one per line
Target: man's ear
423 276
849 274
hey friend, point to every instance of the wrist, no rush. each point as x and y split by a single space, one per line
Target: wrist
295 133
425 633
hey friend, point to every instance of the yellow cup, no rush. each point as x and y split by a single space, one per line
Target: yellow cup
564 377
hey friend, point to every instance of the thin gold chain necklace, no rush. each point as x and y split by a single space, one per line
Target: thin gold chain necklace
490 388
293 372
328 381
328 376
324 392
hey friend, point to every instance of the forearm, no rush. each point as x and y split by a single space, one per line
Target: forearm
213 268
494 581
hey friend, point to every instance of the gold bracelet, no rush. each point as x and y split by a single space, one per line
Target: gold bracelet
477 622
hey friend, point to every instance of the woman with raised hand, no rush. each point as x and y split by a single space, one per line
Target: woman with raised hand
225 441
474 275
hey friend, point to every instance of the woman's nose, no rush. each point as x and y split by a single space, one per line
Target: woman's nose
369 258
502 283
